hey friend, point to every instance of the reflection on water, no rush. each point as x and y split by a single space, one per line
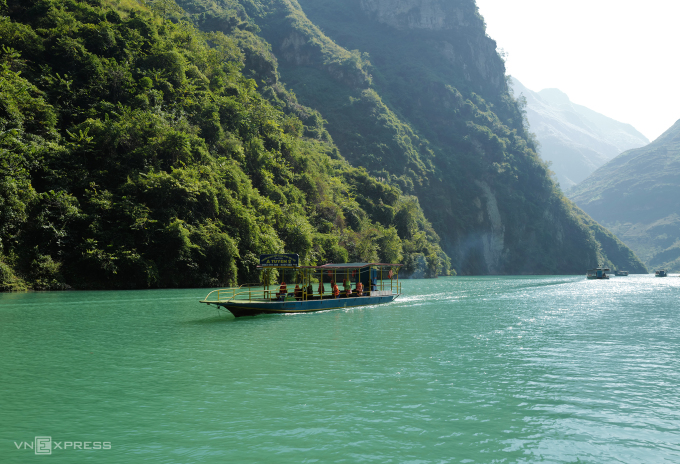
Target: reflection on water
485 369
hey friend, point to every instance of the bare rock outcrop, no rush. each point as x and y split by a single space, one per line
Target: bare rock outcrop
462 39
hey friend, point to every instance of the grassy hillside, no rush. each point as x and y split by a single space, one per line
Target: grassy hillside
136 152
635 195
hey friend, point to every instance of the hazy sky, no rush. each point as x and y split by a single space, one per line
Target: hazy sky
621 59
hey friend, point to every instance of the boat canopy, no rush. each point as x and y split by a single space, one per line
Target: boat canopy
355 265
337 266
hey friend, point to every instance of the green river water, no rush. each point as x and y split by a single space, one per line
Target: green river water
462 369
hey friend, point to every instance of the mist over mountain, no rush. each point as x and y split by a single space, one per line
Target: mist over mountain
635 195
574 139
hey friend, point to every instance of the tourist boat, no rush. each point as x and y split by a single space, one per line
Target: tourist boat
621 273
302 289
661 273
598 273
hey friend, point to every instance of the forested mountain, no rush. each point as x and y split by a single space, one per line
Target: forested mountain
148 145
415 91
136 154
636 196
574 139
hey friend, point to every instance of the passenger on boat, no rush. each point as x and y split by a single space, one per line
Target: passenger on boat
310 291
321 289
360 289
336 290
297 292
347 287
283 290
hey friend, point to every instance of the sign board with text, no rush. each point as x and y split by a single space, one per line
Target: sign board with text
280 260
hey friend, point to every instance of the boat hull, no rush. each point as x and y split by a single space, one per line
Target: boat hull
253 308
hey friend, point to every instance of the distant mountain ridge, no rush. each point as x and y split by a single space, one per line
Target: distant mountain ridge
635 195
574 138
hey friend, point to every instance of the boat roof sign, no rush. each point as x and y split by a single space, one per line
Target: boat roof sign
280 260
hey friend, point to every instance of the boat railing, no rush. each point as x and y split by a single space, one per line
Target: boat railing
242 292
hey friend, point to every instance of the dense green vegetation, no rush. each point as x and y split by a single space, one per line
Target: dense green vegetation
429 111
138 151
635 195
155 144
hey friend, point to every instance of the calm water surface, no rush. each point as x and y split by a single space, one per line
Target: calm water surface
485 369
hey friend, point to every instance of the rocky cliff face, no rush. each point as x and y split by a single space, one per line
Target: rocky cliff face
294 49
434 117
493 240
421 14
461 41
299 42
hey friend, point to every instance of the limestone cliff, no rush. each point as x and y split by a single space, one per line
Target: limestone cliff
422 14
460 38
493 239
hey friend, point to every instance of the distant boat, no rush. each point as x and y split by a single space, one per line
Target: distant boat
598 273
661 273
621 273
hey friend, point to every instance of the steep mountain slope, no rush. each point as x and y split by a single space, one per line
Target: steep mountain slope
414 91
574 139
138 151
636 196
134 153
